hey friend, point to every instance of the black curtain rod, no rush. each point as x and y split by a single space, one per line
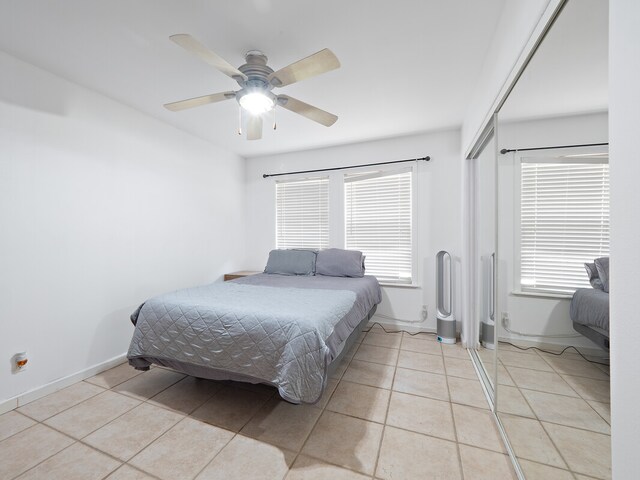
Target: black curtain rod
507 150
266 175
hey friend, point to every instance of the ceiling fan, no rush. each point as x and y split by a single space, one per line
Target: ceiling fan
256 80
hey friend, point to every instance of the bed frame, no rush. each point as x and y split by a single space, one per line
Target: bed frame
595 334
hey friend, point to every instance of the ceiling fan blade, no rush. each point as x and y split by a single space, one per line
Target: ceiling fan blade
320 62
254 127
192 45
198 101
312 113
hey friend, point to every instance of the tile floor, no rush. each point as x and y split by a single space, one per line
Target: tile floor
399 407
556 412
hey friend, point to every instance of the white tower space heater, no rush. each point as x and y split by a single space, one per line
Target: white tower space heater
444 298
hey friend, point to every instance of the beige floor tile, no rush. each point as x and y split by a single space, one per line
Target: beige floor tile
345 441
183 450
307 468
328 392
511 401
479 464
421 361
421 346
148 384
231 407
487 355
455 351
375 354
573 412
537 471
28 448
54 403
186 395
389 330
523 360
603 409
362 401
92 414
12 422
503 377
382 340
580 368
457 367
549 382
341 368
371 374
430 337
78 462
126 472
114 376
589 388
425 384
421 415
408 456
530 441
477 427
133 431
248 459
283 424
585 452
467 392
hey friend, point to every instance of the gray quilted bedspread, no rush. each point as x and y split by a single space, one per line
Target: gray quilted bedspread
281 335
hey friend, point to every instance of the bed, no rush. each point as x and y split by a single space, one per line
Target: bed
589 313
288 331
589 308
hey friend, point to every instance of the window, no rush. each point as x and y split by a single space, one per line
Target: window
564 221
378 221
302 213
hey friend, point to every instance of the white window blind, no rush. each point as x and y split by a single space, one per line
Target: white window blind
302 213
564 222
378 222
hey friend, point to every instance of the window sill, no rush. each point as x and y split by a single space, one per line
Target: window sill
558 296
400 285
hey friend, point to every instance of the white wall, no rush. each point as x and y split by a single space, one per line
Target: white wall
624 126
438 208
535 315
101 207
518 20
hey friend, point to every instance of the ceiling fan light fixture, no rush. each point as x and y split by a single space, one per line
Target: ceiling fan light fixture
256 103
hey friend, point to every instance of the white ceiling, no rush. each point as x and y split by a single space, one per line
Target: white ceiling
568 75
407 66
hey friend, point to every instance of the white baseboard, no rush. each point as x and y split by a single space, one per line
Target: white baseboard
389 324
592 351
60 383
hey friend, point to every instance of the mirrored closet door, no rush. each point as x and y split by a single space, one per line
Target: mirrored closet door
484 204
552 196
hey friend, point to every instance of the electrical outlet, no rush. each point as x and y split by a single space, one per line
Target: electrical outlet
505 319
425 312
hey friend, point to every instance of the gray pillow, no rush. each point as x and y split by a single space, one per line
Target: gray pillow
602 264
594 278
291 262
336 262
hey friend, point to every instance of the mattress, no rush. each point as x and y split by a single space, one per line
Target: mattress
274 329
590 307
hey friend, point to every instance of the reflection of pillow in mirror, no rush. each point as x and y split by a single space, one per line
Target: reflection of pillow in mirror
602 264
592 273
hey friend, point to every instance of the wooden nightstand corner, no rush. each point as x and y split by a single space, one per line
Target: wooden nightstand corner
240 274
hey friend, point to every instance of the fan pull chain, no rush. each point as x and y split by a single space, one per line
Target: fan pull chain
275 125
239 120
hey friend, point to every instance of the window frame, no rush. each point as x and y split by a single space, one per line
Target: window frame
517 238
387 171
301 178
